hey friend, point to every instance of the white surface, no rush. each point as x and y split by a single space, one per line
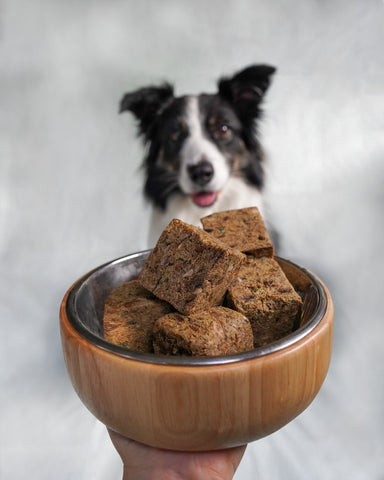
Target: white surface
70 200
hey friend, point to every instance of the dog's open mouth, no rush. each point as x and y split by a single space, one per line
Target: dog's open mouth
204 199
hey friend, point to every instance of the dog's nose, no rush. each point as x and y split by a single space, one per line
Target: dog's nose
201 173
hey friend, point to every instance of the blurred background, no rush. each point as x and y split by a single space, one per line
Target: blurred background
70 200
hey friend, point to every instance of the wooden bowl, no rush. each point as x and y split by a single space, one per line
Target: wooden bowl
193 403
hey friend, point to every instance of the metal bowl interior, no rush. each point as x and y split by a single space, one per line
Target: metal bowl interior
87 297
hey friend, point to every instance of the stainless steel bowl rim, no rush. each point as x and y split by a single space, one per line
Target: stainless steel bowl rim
296 336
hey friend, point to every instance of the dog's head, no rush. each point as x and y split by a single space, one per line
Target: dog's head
195 143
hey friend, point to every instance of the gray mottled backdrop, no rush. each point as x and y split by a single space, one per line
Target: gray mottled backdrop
70 199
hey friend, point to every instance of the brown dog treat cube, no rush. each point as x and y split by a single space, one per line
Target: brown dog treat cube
264 295
189 268
242 229
129 314
214 331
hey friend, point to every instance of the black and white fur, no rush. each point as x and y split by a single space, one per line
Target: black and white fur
203 154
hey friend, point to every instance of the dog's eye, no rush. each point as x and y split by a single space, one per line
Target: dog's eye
223 130
175 132
174 136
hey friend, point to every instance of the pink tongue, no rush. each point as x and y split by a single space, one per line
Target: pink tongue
204 199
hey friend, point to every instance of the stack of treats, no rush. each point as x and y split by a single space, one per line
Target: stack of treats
205 292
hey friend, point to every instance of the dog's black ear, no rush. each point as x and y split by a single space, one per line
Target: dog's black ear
146 103
246 89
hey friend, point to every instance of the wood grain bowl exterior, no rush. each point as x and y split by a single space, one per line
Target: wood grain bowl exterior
190 408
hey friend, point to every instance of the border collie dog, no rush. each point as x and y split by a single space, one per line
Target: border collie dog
203 154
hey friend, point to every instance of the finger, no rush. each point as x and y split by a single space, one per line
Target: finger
235 456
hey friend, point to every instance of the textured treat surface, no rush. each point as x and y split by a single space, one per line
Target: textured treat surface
129 314
189 268
264 295
242 229
215 331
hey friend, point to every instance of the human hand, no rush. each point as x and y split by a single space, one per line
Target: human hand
142 462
